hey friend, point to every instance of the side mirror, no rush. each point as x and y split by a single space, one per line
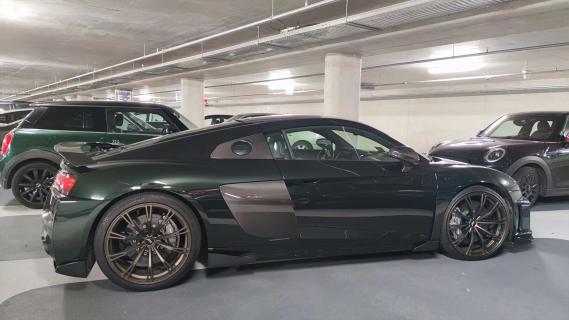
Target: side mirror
408 156
479 133
324 143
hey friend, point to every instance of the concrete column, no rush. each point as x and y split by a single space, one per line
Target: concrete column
342 82
192 100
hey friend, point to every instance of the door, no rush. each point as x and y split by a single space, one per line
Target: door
558 160
129 125
347 191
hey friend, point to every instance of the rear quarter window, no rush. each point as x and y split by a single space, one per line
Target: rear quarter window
72 119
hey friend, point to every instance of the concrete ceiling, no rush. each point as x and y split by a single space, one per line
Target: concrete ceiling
45 40
113 31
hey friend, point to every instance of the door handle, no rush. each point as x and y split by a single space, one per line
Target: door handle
310 181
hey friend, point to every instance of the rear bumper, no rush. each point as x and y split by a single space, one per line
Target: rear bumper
522 228
68 247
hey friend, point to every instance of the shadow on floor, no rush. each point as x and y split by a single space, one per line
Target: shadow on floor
524 284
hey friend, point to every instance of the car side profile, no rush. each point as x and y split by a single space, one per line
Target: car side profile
28 160
239 193
532 147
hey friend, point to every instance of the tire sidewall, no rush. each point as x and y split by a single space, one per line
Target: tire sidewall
130 201
446 243
20 173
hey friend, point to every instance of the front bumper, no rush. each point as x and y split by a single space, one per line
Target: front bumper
522 229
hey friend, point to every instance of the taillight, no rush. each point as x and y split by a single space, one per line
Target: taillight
6 142
63 183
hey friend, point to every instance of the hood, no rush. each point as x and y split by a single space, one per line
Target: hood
472 150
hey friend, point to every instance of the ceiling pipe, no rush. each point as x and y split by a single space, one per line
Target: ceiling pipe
187 44
398 64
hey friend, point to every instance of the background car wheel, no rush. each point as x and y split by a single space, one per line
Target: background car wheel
476 224
31 183
530 183
147 241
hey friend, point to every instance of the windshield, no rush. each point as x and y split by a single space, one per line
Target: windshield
538 127
183 120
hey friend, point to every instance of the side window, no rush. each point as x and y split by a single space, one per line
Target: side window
20 115
72 119
337 143
139 121
4 118
278 146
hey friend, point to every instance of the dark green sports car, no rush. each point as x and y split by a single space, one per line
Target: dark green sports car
265 189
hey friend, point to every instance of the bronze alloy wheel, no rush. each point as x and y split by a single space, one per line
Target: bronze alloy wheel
147 243
477 223
529 180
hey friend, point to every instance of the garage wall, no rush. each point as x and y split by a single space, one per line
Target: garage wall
421 123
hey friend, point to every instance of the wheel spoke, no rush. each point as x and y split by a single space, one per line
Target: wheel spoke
492 210
458 240
117 255
126 217
149 271
490 234
148 214
130 269
482 242
470 204
177 233
164 262
492 222
117 236
482 203
470 244
170 248
167 217
25 176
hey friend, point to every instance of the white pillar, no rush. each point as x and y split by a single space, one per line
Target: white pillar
192 100
342 83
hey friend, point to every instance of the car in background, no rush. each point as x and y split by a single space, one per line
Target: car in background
11 105
242 116
10 119
237 193
29 162
532 147
215 119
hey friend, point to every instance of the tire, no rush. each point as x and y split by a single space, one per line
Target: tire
530 183
31 183
470 232
117 252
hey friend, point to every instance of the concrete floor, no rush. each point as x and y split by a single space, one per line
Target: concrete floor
530 282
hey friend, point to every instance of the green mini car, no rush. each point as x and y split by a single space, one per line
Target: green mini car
29 162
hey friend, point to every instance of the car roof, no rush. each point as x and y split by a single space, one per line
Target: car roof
278 118
101 104
15 110
537 113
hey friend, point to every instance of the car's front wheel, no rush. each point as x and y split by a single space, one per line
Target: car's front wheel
476 224
147 241
31 183
530 183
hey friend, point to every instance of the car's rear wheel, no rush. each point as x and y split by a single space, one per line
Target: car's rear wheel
476 224
147 241
530 183
31 183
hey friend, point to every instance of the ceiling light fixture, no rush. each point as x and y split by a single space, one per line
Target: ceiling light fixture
455 65
12 10
287 85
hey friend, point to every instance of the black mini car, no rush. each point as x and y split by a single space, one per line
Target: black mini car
531 147
247 191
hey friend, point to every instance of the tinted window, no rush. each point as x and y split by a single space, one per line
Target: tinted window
278 146
72 119
527 127
337 143
140 121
